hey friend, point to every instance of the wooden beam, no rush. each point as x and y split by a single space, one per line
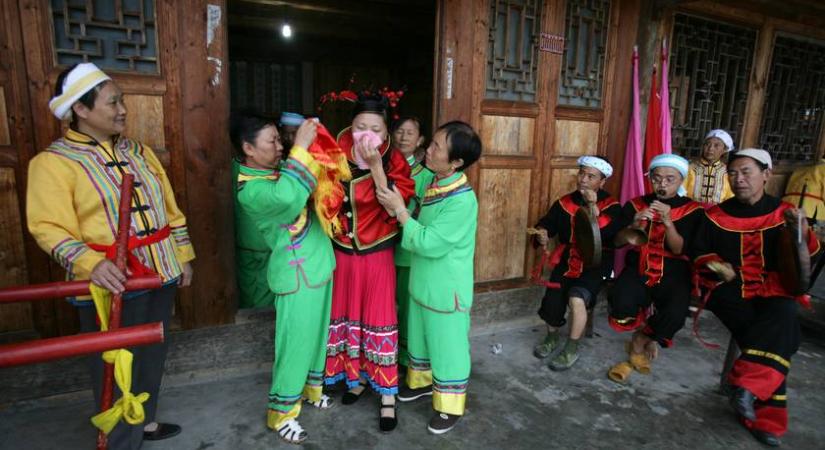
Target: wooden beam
205 108
385 8
618 109
345 29
757 87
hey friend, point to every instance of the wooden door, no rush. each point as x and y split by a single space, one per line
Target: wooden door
16 148
537 79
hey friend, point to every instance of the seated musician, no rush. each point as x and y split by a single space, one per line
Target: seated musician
652 295
574 285
738 258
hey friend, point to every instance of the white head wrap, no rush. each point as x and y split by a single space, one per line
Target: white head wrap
597 163
79 81
674 162
670 160
723 136
757 154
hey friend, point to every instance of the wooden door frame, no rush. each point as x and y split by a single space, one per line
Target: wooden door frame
200 106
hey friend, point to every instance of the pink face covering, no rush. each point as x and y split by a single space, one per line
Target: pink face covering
371 139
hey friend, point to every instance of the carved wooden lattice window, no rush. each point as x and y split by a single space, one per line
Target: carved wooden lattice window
512 51
795 100
116 34
582 70
710 66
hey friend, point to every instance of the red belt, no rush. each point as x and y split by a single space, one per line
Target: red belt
132 262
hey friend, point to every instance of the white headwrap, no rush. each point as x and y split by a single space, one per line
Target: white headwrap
723 136
757 154
670 160
597 163
79 81
674 162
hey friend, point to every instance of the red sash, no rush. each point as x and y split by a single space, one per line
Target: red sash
132 262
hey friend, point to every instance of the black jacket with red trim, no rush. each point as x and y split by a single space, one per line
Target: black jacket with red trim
559 222
658 260
746 236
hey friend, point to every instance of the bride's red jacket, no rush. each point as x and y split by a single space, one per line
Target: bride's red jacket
367 225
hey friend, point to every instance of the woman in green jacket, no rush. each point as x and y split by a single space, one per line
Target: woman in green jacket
441 242
273 193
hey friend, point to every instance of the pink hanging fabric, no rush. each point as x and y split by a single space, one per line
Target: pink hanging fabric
632 173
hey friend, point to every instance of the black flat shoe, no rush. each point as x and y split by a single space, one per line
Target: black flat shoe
766 438
163 431
387 424
742 402
442 423
350 398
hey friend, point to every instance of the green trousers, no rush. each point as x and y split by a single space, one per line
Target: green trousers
439 355
301 331
251 267
402 299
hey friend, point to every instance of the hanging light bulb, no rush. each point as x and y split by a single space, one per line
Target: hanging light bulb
286 31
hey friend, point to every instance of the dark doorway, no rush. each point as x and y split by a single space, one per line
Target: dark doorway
377 43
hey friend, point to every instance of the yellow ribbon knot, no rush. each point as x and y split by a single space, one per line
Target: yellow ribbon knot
128 406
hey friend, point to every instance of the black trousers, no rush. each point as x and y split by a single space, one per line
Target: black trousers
147 367
554 303
768 333
766 324
670 299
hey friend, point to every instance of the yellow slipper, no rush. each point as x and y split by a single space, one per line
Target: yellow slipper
620 372
638 361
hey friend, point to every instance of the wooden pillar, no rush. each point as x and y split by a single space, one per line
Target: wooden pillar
758 83
204 88
454 57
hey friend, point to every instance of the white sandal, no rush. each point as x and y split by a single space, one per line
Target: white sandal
292 432
325 402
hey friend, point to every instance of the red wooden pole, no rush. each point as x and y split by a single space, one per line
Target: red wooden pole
124 221
69 289
80 344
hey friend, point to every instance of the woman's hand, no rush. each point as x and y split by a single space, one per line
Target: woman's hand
306 133
106 275
390 199
186 276
368 154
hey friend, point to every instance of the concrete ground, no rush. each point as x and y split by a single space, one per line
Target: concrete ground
514 402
